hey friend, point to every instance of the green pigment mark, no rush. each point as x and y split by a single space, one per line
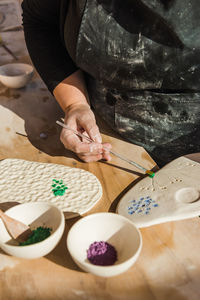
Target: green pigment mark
38 235
58 187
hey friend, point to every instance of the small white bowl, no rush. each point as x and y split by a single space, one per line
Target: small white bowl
108 227
34 214
16 75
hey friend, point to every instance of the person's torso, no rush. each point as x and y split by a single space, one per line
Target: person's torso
137 44
142 58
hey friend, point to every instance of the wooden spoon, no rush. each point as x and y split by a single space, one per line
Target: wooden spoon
18 230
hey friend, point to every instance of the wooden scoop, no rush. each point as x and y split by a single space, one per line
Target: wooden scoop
18 230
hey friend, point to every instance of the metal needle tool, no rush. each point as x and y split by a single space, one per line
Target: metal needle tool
148 172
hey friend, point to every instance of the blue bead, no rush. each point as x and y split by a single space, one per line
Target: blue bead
155 205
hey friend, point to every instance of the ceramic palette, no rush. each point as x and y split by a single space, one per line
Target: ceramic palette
70 189
173 194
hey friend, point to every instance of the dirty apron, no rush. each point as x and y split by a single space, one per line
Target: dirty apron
142 64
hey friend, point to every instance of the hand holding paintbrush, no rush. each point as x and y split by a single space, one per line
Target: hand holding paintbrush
148 172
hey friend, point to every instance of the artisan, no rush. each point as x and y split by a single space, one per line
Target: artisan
134 62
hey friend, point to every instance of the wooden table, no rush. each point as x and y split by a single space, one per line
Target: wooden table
169 264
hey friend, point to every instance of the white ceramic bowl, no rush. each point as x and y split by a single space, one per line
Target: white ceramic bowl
108 227
34 214
15 75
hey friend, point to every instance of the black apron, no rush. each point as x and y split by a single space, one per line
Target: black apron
142 64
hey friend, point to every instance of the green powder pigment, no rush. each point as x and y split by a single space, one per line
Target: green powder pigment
38 235
59 187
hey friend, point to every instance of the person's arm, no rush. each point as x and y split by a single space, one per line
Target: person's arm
42 36
72 96
58 71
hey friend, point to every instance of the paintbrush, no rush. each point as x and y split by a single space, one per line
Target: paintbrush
148 172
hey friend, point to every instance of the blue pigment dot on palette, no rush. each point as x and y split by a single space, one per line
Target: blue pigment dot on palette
143 205
59 187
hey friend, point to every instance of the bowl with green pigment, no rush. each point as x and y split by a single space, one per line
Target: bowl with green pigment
45 220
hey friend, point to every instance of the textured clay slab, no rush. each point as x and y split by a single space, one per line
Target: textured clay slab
24 181
173 194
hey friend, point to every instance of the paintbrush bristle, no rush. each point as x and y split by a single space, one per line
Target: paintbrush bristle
150 173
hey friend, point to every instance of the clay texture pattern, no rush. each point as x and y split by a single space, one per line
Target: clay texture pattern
25 181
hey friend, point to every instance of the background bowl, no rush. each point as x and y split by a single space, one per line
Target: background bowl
34 214
16 75
108 227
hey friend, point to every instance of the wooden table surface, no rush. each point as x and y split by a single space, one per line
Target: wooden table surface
169 264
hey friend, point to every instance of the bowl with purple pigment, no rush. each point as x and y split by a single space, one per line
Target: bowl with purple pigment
104 244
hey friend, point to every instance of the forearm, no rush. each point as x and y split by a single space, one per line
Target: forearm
71 91
72 96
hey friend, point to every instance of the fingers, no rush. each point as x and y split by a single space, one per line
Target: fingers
106 154
90 126
91 157
72 142
88 152
94 133
81 119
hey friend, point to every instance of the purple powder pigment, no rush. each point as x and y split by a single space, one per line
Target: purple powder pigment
102 254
